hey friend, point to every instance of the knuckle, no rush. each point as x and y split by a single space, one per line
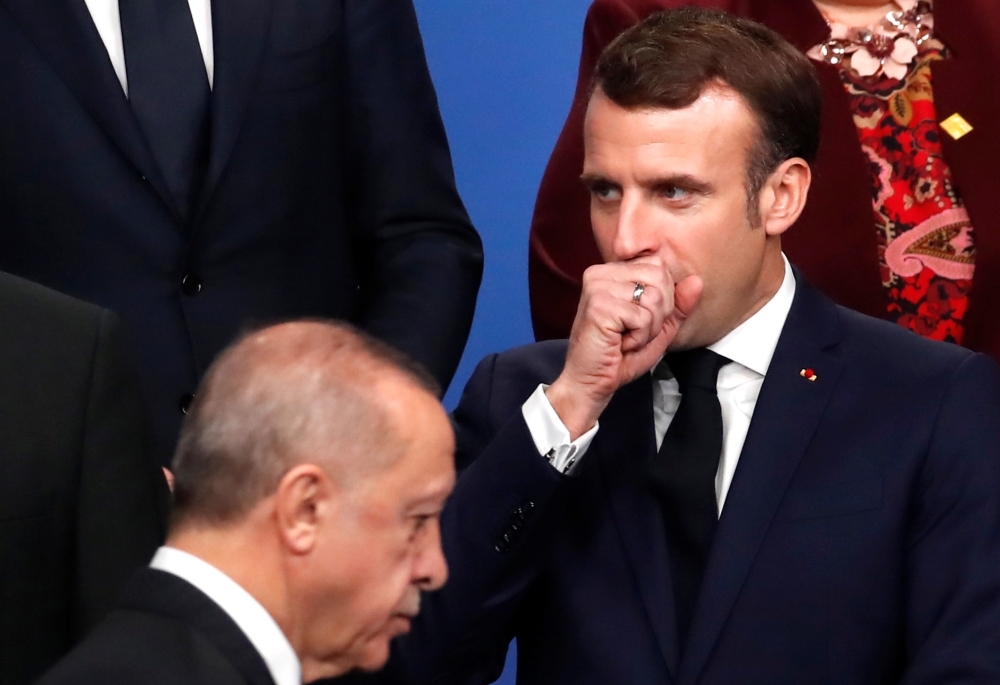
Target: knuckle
593 273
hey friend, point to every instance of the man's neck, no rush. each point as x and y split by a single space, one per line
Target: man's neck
247 558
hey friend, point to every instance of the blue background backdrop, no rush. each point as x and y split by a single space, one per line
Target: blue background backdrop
505 71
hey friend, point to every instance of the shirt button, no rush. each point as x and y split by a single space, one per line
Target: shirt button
185 403
191 284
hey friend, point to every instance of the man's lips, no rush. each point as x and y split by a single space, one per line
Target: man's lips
404 620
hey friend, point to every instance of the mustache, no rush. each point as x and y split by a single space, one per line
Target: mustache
410 604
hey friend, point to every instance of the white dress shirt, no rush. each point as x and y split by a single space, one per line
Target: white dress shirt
750 346
246 612
106 18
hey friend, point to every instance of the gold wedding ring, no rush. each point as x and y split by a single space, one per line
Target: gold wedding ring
637 293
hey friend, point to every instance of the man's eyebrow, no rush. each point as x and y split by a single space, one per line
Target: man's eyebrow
433 496
590 180
685 181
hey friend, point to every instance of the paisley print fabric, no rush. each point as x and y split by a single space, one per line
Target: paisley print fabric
925 237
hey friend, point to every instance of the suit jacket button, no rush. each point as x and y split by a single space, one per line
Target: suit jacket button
185 403
191 284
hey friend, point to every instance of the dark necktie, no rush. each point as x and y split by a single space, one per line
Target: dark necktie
168 89
682 475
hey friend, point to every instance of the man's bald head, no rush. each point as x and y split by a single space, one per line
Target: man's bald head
292 393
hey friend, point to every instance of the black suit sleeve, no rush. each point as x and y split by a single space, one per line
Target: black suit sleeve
421 258
121 495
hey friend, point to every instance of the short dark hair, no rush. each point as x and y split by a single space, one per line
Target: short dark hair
303 391
667 61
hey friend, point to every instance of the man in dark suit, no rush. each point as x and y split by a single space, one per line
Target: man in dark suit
252 161
835 233
78 493
309 478
797 493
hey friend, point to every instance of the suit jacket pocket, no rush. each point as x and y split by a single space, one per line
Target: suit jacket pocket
297 70
25 505
835 499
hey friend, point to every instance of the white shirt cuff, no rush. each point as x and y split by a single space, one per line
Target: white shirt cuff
550 435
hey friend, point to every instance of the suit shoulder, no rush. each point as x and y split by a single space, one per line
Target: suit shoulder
503 381
27 306
887 348
129 648
533 364
52 344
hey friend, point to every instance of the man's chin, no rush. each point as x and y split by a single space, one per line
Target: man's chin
684 340
367 655
377 651
373 665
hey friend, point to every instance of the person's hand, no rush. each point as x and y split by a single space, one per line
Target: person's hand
170 478
616 339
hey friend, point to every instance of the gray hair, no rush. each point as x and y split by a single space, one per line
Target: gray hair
300 392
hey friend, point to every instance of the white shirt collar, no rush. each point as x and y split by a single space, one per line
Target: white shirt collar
752 343
251 617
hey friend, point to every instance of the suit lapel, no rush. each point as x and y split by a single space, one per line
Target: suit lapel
239 30
786 416
624 449
64 33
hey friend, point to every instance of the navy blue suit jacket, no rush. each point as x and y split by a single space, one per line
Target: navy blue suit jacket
329 190
859 543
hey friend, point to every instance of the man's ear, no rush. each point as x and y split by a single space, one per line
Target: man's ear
784 195
304 497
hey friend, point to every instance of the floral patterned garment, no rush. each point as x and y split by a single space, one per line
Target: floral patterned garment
925 237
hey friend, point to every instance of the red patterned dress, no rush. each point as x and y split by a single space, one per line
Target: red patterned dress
926 247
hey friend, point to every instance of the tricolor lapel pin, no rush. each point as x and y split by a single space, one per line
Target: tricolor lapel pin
808 374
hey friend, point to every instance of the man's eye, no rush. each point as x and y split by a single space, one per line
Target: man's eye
605 192
419 523
674 192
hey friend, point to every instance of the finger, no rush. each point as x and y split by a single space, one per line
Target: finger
650 301
633 291
640 294
643 359
607 317
645 310
687 293
658 301
651 273
640 328
647 261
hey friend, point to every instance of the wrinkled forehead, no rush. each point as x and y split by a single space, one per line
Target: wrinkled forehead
716 129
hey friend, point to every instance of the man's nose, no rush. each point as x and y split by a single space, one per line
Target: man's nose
634 236
430 570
